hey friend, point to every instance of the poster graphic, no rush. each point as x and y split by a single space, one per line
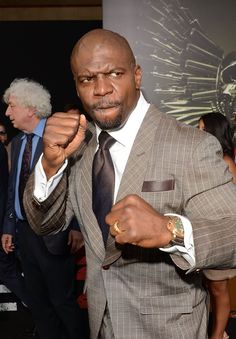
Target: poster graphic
186 72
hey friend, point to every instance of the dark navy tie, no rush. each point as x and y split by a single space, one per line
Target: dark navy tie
25 169
103 181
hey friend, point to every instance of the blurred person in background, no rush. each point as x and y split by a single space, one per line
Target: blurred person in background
4 139
10 272
217 280
47 262
3 134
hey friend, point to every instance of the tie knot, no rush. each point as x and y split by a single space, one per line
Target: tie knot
105 140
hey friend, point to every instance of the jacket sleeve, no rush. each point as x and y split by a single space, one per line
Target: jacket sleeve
9 223
48 216
210 205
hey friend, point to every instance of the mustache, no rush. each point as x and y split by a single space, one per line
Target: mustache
105 104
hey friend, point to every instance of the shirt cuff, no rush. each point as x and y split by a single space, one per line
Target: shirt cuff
187 251
44 187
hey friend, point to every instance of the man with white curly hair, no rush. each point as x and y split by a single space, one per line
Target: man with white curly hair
47 262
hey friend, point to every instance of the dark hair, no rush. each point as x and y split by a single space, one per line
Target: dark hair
218 125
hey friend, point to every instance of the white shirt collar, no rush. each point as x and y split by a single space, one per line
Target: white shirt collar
127 133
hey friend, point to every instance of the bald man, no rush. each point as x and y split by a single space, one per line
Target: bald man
143 280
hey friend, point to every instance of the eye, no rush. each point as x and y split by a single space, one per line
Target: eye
85 80
116 74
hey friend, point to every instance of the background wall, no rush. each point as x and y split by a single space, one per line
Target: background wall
50 10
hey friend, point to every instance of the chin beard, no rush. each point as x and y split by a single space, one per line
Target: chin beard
109 124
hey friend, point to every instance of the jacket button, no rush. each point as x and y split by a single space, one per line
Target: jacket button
106 267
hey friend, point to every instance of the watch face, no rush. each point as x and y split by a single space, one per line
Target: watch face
179 233
178 226
175 226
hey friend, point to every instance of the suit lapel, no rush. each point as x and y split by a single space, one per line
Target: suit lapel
15 151
137 163
135 170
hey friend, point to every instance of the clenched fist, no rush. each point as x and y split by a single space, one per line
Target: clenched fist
63 134
132 220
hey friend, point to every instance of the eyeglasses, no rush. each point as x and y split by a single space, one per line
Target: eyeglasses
2 133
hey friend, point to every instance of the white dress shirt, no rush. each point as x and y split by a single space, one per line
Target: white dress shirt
119 153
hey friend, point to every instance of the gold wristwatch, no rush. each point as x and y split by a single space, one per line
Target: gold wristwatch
175 226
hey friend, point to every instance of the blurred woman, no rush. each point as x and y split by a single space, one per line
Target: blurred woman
217 280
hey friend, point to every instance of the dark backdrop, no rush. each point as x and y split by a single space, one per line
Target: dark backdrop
40 50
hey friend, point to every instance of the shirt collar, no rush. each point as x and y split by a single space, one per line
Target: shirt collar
38 130
127 133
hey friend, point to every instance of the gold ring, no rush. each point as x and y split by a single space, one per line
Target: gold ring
116 227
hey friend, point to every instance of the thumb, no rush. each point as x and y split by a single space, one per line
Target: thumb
82 128
79 136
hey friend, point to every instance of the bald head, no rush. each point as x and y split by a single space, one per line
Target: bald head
97 39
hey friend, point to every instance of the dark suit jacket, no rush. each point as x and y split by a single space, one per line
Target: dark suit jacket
56 244
3 181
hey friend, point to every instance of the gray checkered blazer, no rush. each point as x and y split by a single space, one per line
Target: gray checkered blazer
176 168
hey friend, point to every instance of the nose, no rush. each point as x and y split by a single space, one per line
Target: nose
7 113
102 86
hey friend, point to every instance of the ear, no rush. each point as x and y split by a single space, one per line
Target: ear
138 76
31 111
76 86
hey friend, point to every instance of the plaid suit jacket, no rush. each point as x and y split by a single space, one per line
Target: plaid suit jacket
176 168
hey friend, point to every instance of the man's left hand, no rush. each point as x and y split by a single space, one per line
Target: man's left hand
132 220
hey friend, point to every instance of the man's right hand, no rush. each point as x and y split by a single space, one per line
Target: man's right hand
7 243
63 134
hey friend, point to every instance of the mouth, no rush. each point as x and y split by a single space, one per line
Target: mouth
105 109
106 106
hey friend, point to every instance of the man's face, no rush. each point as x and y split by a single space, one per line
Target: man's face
107 84
3 134
18 114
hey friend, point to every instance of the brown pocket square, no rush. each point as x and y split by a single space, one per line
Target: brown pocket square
158 186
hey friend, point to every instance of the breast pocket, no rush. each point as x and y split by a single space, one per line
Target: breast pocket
158 186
